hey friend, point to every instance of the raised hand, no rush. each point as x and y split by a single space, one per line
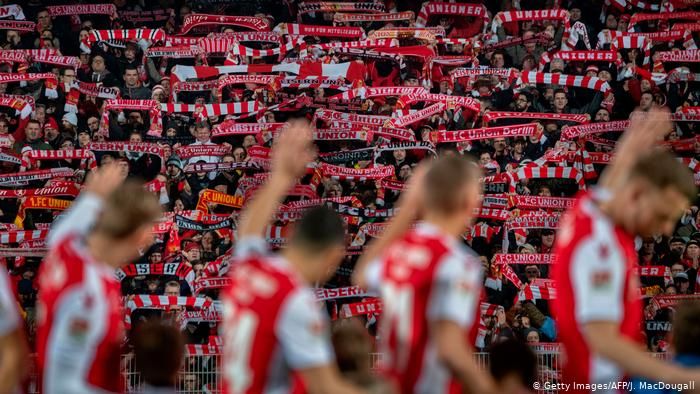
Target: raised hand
293 150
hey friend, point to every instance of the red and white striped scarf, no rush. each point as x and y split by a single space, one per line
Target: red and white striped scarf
327 6
342 17
594 83
532 293
35 175
481 230
121 146
251 22
12 10
408 119
687 56
573 132
334 32
366 307
459 10
230 127
162 302
83 9
23 106
641 17
153 35
537 15
50 82
448 100
621 40
547 172
17 236
355 174
368 92
203 350
438 137
152 106
587 56
539 202
188 151
210 283
86 156
495 115
524 258
369 120
337 134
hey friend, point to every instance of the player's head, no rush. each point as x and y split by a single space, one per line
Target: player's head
657 191
127 220
158 352
686 329
452 188
513 366
320 237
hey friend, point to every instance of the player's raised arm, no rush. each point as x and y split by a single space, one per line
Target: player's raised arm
292 151
409 210
646 128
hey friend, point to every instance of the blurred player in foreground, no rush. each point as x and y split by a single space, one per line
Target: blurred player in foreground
13 346
275 334
430 282
80 315
642 193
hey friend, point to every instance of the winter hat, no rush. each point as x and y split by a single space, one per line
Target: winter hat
71 118
174 160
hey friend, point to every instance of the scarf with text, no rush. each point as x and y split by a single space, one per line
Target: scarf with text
458 10
212 196
13 179
572 132
438 137
86 157
495 115
250 22
368 306
152 106
525 258
342 17
49 79
327 6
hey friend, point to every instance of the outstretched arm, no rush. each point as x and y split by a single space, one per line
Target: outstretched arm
83 213
293 149
644 131
409 210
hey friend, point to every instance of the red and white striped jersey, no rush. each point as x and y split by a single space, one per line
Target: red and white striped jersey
424 277
80 328
596 281
272 324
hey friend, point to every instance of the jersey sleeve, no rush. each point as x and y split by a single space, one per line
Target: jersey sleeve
250 246
303 332
373 275
456 294
597 277
79 219
9 316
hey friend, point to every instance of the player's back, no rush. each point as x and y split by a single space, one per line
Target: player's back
424 277
80 329
265 307
596 281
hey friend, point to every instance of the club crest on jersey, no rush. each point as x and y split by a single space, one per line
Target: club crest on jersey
78 328
601 279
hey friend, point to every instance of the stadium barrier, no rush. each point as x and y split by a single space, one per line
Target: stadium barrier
201 374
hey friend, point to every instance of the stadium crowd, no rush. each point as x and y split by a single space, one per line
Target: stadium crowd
188 97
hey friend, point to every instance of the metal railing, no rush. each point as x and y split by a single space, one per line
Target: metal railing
201 374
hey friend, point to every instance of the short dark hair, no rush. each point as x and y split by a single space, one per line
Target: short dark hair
154 340
445 179
663 170
686 328
513 357
560 90
130 67
320 228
